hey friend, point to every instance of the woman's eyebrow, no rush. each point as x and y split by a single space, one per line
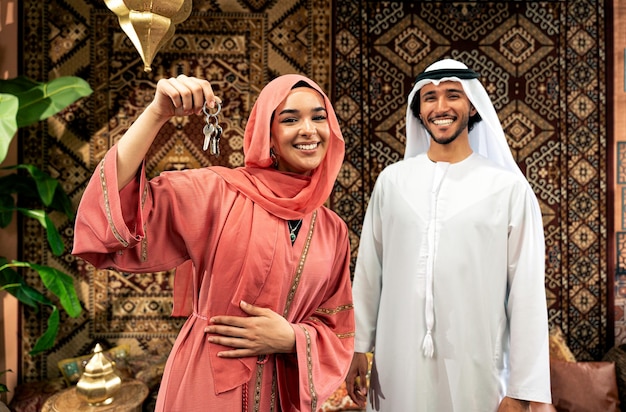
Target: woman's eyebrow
289 111
293 111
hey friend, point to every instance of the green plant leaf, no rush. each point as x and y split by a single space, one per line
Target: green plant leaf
62 285
8 122
26 187
36 296
52 234
38 101
54 238
17 85
18 183
46 341
3 387
46 185
40 215
15 284
22 103
57 282
7 207
62 203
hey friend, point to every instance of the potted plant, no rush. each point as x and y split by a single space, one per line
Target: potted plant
22 103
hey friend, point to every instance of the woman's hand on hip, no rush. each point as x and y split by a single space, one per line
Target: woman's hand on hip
263 332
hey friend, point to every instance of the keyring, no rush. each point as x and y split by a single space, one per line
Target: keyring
219 109
212 131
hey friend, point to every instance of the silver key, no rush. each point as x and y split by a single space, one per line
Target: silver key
208 131
215 141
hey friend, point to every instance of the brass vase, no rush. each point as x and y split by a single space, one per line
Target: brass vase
149 23
99 382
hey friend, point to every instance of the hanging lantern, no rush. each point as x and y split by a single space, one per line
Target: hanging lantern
149 24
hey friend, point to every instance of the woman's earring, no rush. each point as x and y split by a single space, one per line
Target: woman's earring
274 158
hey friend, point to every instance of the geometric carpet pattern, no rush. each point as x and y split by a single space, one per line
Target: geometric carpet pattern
542 63
238 45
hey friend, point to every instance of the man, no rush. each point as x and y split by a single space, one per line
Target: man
449 282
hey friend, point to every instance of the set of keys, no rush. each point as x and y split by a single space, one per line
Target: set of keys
212 131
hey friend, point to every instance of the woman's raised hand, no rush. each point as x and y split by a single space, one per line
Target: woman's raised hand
182 96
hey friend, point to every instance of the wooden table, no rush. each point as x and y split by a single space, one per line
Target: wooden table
129 398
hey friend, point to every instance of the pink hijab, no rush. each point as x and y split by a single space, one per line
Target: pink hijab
284 195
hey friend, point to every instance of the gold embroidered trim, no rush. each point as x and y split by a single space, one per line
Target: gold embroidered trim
339 335
309 367
107 206
334 310
259 380
244 398
273 399
292 292
144 249
257 386
144 241
296 280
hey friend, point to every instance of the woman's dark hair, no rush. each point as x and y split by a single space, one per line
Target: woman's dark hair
301 83
415 109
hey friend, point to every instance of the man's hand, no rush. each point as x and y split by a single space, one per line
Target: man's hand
356 380
262 333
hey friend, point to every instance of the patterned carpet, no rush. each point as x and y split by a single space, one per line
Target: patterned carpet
543 64
239 47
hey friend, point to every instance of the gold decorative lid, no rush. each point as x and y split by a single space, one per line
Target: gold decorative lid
99 382
99 364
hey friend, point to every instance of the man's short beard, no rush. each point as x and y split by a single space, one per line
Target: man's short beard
445 141
450 139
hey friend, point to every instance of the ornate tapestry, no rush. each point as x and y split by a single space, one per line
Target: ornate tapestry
542 63
238 46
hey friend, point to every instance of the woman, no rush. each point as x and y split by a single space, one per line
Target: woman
263 266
